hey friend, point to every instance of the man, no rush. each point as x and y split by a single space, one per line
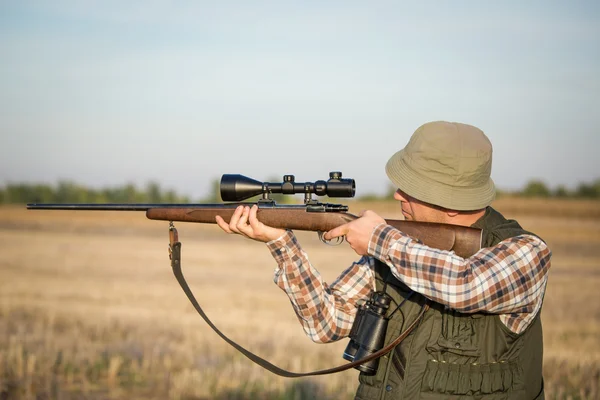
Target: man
481 336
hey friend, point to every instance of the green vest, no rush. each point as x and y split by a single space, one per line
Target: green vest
455 355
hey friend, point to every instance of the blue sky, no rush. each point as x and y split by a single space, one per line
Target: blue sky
109 92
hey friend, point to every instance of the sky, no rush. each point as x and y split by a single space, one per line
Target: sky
110 92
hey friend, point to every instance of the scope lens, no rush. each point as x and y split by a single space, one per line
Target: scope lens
343 188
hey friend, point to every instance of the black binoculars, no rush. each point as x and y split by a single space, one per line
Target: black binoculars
368 332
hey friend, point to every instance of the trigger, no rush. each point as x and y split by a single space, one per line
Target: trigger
330 242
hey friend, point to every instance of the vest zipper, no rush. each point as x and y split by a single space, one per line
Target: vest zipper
384 384
409 355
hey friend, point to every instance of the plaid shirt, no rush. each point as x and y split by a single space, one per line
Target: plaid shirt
508 279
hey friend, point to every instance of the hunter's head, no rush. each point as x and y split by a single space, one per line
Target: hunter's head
443 171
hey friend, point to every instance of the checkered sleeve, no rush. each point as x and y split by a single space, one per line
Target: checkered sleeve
508 279
326 312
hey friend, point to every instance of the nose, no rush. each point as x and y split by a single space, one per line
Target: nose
400 196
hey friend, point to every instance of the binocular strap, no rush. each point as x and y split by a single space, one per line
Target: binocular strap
175 255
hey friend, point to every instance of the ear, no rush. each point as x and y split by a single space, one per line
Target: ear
451 213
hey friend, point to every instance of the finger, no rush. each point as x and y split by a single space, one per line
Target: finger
222 224
253 218
242 223
366 213
243 216
235 218
372 216
336 232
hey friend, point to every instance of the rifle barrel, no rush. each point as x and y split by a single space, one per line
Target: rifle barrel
114 206
140 206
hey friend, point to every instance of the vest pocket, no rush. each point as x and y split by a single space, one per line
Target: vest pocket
459 333
471 379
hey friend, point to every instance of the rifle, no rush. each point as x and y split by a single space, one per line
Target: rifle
311 216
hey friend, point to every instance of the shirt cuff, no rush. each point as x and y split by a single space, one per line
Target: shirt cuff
281 246
381 238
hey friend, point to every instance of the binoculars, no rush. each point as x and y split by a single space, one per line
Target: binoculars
368 332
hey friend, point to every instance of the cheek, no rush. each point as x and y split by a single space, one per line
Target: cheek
419 212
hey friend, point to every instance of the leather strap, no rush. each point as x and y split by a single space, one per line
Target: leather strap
175 255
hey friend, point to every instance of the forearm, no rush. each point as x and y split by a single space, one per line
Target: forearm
507 278
326 312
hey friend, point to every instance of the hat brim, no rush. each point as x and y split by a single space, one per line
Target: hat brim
425 189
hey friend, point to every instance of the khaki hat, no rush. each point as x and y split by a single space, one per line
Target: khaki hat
446 164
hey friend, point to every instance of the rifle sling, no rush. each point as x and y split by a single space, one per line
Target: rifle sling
175 254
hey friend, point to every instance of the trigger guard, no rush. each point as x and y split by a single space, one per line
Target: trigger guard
330 242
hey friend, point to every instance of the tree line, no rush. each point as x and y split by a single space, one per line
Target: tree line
69 192
537 188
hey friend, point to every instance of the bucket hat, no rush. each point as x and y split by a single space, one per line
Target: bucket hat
447 164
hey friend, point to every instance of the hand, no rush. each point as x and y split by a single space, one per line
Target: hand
244 222
357 232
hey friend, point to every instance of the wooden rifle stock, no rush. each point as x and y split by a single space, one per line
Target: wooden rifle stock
464 241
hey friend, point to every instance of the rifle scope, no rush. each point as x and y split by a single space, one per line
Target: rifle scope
235 187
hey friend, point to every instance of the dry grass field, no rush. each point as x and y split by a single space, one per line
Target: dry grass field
89 308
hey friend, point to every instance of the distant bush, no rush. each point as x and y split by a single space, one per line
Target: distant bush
69 192
536 189
590 191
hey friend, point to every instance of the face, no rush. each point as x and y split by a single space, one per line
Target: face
415 210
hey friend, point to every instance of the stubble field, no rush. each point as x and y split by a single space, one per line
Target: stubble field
89 308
